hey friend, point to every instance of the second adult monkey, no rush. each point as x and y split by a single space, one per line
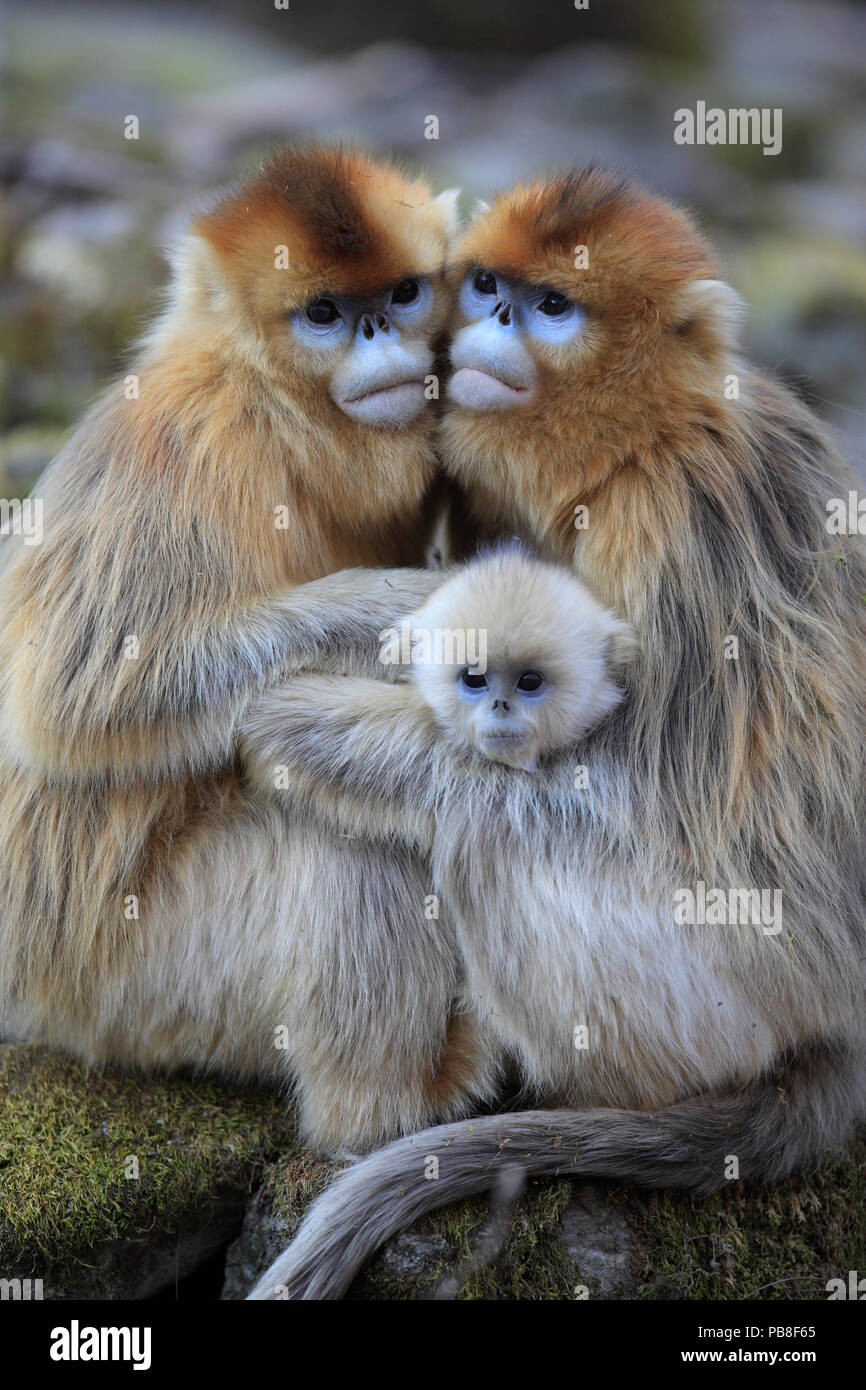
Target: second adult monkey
600 408
272 429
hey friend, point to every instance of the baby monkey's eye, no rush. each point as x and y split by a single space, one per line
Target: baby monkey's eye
530 682
554 304
484 282
405 292
322 311
473 680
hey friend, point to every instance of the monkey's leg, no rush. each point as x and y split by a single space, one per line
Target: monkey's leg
376 985
386 839
283 952
381 1037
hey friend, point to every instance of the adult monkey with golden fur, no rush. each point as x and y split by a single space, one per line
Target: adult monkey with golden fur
153 909
595 360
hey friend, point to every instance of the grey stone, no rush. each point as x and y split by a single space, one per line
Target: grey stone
595 1232
261 1239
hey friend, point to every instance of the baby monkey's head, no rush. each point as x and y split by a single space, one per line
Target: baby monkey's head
514 657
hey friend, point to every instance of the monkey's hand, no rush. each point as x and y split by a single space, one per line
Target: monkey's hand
362 752
342 622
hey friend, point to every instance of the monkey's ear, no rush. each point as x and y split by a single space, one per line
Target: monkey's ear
707 313
623 645
447 202
201 279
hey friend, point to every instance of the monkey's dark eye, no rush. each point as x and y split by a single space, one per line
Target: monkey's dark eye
322 311
554 304
484 282
530 682
405 292
473 680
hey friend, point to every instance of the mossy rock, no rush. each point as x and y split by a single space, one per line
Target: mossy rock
782 1241
568 1240
71 1140
73 1214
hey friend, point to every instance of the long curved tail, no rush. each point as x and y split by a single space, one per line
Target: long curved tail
775 1124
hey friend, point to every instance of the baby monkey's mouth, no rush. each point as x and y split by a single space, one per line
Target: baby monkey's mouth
508 746
498 743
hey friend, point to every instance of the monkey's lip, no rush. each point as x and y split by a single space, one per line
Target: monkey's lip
509 747
477 389
383 390
392 403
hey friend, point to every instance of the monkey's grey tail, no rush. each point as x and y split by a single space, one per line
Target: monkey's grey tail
773 1125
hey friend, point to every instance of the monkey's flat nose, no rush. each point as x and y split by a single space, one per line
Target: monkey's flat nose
370 324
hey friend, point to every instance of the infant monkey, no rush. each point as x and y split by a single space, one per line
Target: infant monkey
510 659
540 653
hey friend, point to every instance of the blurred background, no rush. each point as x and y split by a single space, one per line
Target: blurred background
516 88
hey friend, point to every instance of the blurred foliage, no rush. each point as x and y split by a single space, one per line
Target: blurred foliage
503 26
517 88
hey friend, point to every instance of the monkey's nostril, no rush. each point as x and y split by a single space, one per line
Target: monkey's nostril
495 310
367 326
382 322
505 316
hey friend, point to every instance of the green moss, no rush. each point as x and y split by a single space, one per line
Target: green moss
533 1264
781 1241
67 1135
290 1185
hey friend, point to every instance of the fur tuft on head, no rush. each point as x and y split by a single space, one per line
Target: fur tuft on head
637 245
350 224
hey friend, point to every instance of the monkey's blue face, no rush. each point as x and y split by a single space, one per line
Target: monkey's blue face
510 322
375 352
504 707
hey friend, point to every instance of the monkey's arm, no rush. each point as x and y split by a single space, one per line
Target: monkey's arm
112 679
365 753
